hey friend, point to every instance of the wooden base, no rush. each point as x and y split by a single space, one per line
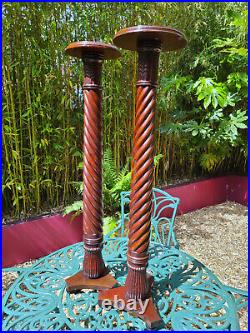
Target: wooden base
78 281
150 316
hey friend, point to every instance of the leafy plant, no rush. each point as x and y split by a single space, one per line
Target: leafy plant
213 124
109 224
43 100
212 93
113 183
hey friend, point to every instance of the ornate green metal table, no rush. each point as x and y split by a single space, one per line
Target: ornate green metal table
188 295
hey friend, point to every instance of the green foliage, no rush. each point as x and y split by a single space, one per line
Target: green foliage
42 97
209 161
210 92
76 206
113 184
109 224
213 125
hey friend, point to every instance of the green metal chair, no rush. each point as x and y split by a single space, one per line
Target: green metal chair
163 216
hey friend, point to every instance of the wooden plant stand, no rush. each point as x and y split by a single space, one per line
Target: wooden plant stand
148 41
94 274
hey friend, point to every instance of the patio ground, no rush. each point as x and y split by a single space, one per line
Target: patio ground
217 236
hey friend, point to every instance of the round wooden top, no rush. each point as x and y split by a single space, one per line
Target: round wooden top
79 49
171 39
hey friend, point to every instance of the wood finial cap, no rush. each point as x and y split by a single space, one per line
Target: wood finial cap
80 49
170 39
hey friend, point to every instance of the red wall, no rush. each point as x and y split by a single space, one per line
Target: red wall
238 190
34 239
210 192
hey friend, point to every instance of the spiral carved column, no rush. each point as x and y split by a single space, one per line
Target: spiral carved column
93 264
137 285
94 274
148 41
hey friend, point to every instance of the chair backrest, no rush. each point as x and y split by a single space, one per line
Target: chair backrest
163 215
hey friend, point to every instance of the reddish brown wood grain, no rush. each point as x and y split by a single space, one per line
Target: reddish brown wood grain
148 41
92 54
137 286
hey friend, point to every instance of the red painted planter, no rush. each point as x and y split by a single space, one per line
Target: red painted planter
210 192
34 239
238 190
37 238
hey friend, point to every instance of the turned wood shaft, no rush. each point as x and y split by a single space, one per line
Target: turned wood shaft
93 264
94 274
142 170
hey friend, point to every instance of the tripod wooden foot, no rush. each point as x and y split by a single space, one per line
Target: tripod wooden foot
116 296
78 281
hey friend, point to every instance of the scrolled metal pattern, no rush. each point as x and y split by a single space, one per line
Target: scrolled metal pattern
188 295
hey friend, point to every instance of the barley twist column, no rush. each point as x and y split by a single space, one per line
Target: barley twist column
137 285
148 41
93 264
94 274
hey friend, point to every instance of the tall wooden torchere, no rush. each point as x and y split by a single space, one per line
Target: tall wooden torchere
94 274
148 41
